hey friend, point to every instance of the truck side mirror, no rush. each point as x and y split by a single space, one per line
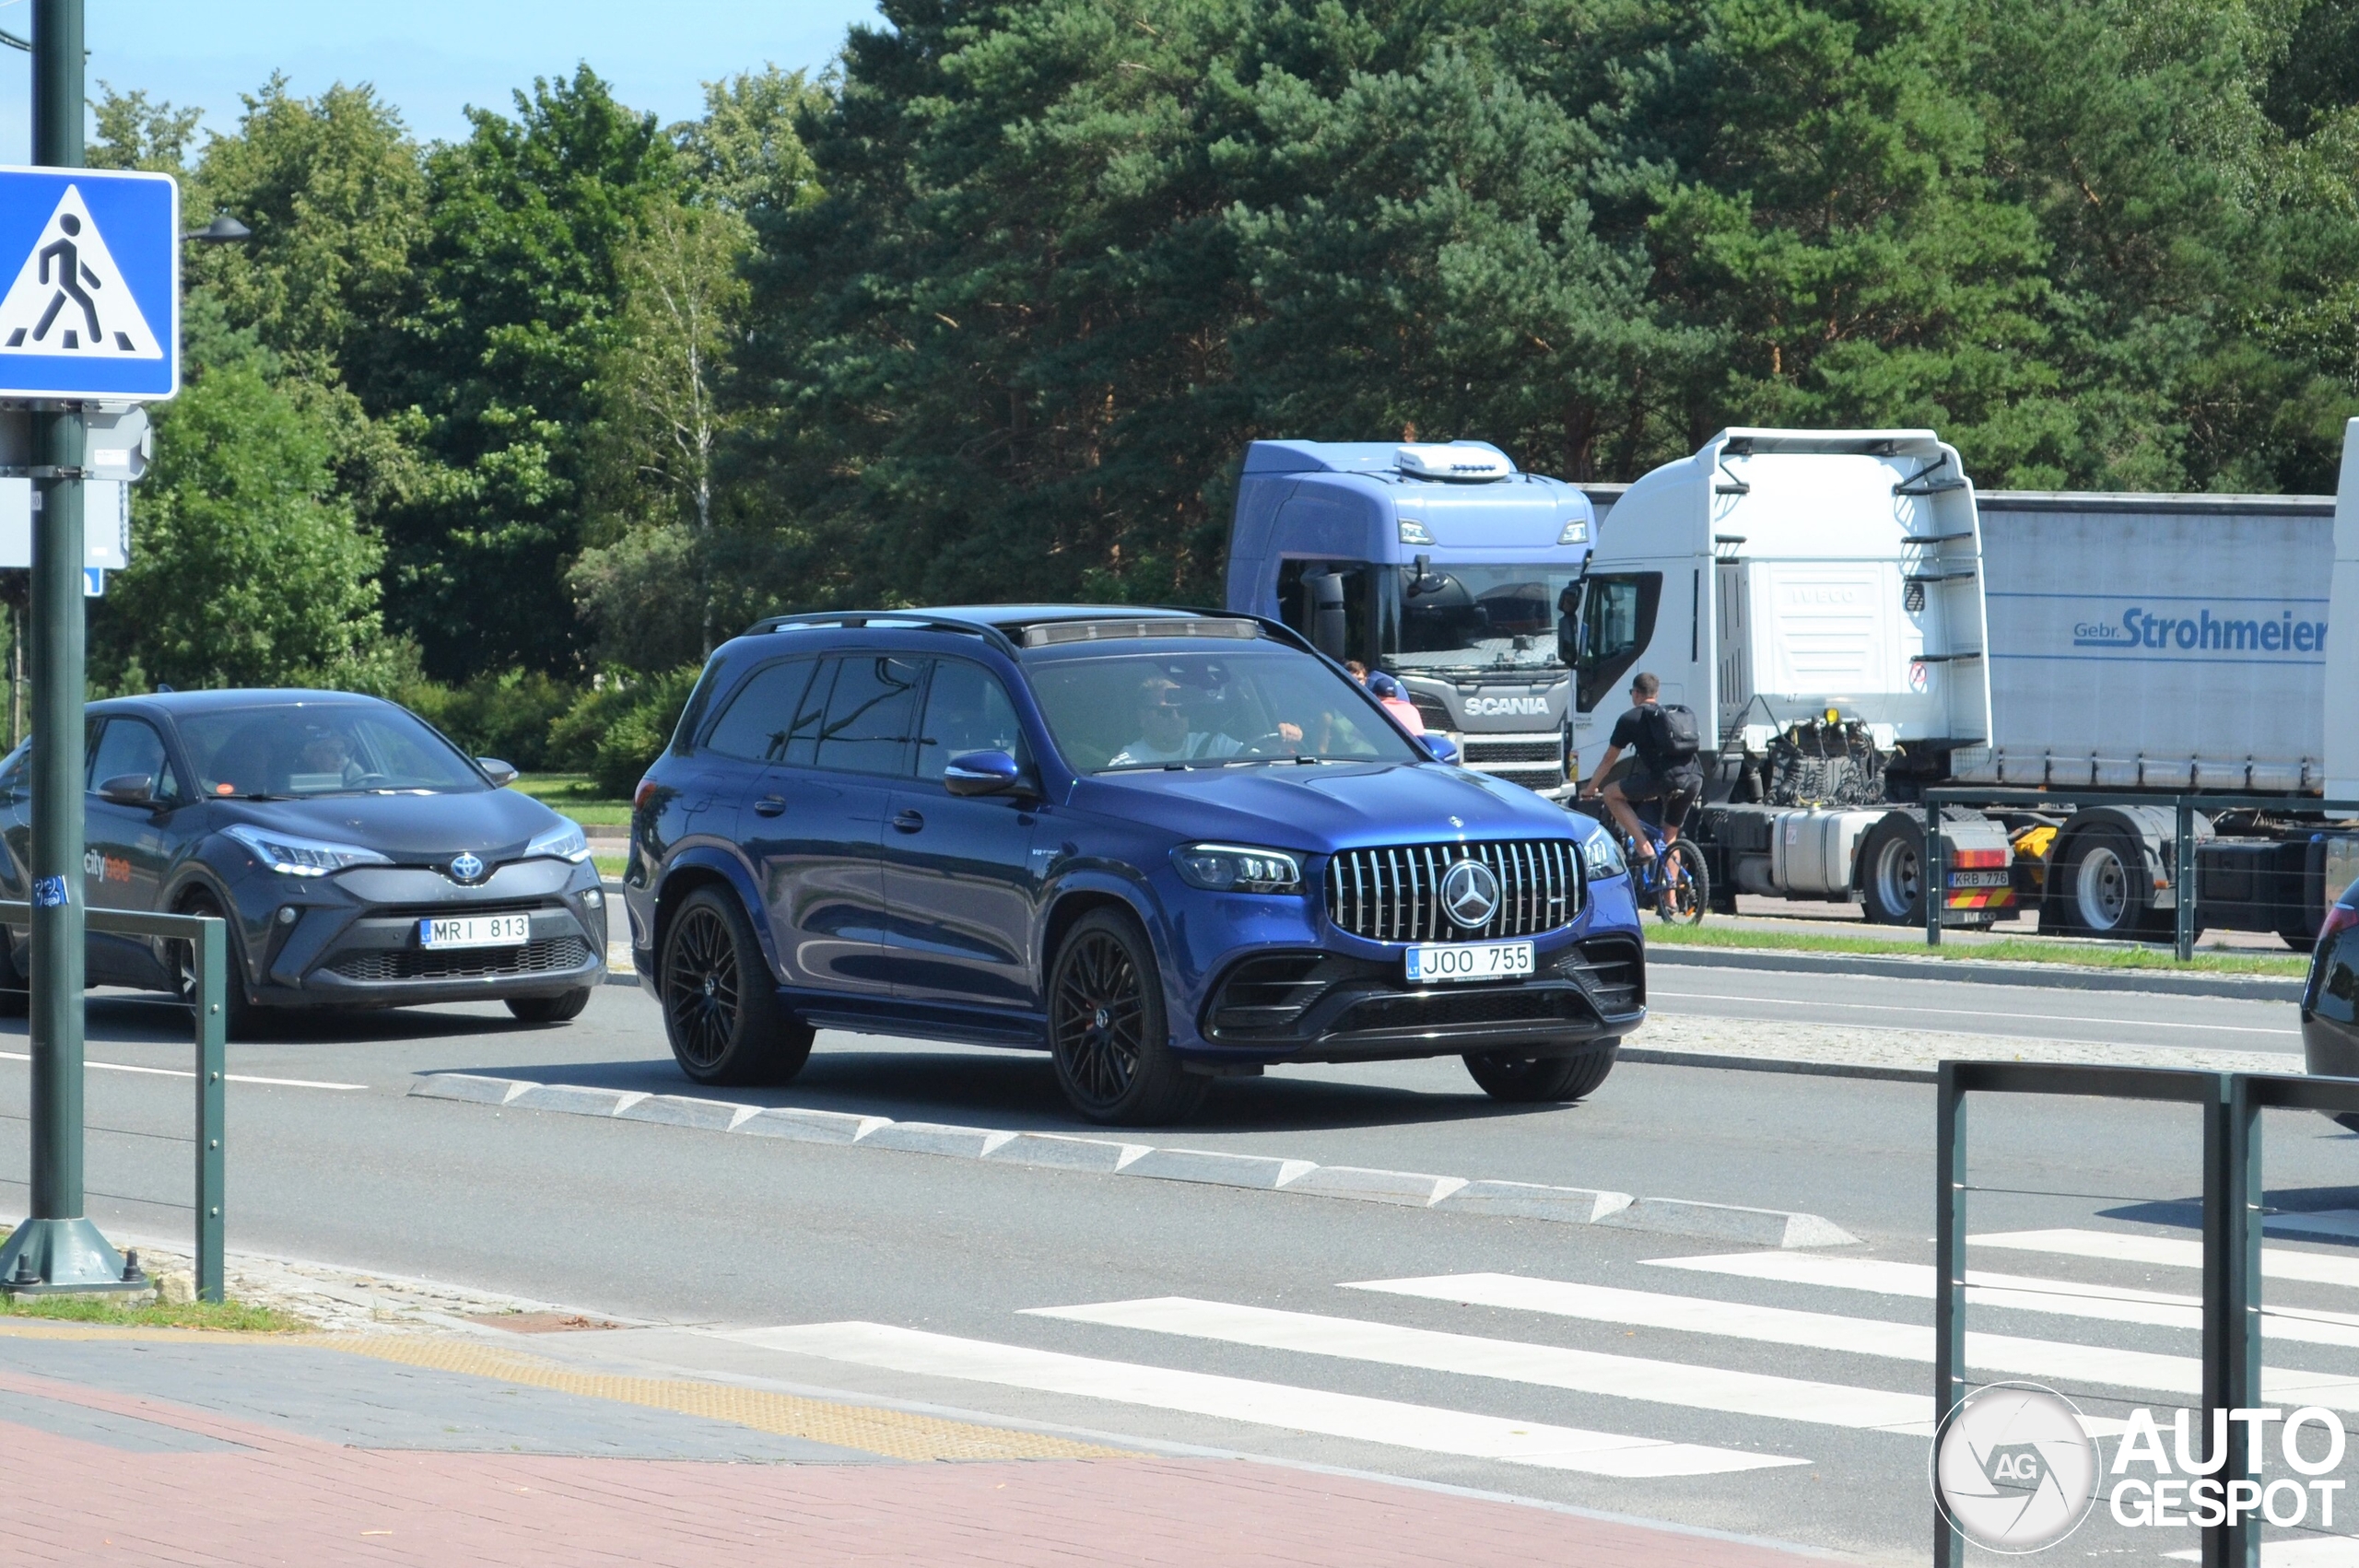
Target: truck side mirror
1327 629
1568 626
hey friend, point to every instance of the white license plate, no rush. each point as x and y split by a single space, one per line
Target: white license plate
1470 961
1978 879
476 931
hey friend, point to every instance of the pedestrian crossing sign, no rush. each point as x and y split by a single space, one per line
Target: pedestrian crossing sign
92 307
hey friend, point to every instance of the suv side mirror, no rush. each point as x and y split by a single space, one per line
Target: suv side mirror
498 772
982 773
129 789
1443 748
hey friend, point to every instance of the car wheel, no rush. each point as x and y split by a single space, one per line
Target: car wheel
238 1014
549 1009
1892 873
719 1006
1522 1079
1107 1030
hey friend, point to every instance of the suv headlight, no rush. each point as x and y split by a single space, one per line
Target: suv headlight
1602 855
564 843
290 856
1238 868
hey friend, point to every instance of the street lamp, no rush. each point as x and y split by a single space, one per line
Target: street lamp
223 230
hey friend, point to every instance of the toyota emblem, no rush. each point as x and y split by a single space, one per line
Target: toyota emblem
466 867
1470 894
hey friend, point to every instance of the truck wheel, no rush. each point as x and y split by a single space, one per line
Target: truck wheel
2107 885
1892 873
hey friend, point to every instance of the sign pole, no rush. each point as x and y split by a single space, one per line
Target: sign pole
58 1248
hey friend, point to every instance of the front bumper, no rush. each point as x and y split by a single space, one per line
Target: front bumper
352 939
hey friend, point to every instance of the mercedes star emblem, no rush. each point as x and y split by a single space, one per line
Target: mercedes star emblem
1470 894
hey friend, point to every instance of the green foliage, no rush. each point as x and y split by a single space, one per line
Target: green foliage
248 569
615 734
506 716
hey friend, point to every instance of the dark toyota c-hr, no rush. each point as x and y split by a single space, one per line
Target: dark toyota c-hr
360 859
1164 846
2331 999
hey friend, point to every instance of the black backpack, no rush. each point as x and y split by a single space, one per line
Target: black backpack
1669 736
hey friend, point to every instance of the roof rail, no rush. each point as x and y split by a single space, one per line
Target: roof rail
916 620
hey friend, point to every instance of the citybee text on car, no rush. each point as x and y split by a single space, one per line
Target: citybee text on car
1164 846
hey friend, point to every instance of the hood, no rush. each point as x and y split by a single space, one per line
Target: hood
411 829
1333 806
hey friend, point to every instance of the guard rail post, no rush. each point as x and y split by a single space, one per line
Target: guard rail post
1928 871
1949 1291
2232 1190
2183 881
208 938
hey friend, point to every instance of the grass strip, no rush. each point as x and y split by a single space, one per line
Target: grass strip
575 795
2005 950
235 1317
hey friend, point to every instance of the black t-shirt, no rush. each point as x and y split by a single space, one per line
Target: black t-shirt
1630 732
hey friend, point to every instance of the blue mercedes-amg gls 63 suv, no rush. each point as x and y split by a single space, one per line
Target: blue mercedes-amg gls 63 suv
1164 846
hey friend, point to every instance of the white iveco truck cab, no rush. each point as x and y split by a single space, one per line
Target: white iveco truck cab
1853 624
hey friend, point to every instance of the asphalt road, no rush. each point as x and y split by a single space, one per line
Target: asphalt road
942 1268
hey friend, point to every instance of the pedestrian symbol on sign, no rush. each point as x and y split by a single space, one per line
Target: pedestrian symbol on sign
69 298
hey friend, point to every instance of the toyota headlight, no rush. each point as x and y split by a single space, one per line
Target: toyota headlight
1238 868
1602 855
564 843
290 856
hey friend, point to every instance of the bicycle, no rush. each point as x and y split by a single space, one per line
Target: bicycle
1673 881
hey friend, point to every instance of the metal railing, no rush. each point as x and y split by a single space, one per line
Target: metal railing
209 937
2184 869
2232 1104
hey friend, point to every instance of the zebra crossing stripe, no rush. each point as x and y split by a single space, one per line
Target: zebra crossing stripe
1551 1366
1387 1421
2302 1324
2118 1247
2062 1361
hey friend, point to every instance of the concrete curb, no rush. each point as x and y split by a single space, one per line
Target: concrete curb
1779 1064
1260 1172
1977 972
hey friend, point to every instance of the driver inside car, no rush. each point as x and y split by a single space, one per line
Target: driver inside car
1167 736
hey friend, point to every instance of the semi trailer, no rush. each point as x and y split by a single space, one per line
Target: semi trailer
1442 565
1854 625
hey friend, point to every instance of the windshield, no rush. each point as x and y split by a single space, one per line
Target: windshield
321 749
1209 710
1472 617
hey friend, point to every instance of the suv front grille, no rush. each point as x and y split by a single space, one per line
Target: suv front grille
1394 893
380 963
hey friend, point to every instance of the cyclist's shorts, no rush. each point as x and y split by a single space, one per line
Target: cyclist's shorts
1677 790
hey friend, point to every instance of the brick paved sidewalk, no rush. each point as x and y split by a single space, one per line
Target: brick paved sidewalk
99 1470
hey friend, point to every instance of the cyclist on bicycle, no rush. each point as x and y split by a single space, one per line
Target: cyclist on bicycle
1663 742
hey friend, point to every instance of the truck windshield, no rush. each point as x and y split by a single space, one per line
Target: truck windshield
1209 710
1472 617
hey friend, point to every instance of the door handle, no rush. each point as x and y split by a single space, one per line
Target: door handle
908 820
769 805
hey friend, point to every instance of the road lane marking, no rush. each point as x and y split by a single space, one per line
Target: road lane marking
2054 1359
2118 1247
1548 1367
1960 1012
1398 1426
184 1072
2311 1326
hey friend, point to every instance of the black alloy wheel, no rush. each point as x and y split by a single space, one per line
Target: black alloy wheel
238 1014
1515 1079
719 1007
1107 1030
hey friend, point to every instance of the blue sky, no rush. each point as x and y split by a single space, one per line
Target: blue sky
431 58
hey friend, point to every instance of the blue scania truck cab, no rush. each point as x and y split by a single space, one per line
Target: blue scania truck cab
1442 564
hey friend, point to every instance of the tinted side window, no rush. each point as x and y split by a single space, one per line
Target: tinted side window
870 715
759 724
967 709
131 745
